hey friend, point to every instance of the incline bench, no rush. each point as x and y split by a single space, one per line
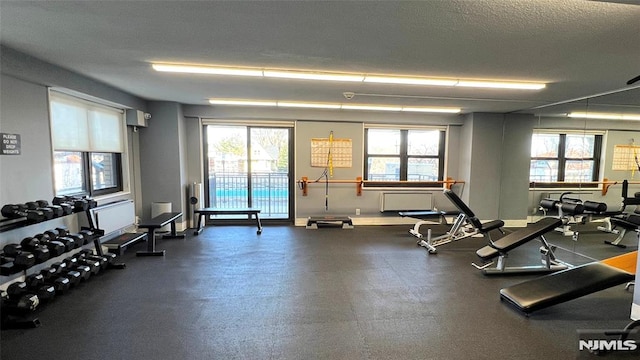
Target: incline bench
156 223
200 213
502 246
570 284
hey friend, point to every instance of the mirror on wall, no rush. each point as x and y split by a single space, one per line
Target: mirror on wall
584 150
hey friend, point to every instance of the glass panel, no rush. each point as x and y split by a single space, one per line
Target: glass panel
68 173
423 142
545 145
579 146
227 166
578 171
422 169
543 171
270 171
383 168
383 142
104 172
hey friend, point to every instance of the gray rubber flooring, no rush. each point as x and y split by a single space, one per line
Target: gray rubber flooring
292 293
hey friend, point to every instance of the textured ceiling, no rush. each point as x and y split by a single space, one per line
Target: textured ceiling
581 48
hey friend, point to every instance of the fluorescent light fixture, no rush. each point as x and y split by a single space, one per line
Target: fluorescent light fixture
604 116
409 81
334 106
308 105
243 102
285 74
344 77
210 70
430 110
371 107
501 85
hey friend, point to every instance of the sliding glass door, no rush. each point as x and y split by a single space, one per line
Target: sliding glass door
249 166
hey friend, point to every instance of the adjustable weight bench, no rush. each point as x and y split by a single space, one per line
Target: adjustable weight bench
465 225
500 248
624 224
570 284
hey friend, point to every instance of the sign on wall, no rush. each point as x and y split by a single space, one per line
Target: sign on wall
624 157
10 144
337 151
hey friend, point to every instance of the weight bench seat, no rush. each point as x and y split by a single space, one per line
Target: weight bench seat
156 223
123 241
570 284
630 222
202 212
517 238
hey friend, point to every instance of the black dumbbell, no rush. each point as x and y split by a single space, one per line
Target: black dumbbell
61 269
72 264
93 264
69 244
33 246
35 206
17 211
19 297
21 259
35 283
103 260
56 248
56 209
59 282
108 257
89 235
7 267
60 233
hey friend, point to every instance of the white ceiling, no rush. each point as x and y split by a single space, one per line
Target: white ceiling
581 48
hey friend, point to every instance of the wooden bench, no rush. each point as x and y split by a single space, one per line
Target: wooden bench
201 213
121 242
156 223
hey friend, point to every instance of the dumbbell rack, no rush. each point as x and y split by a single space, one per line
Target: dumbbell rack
12 224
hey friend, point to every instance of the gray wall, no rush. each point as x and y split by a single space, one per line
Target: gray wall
342 197
161 156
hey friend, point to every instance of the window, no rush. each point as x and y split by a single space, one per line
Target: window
413 155
570 158
88 145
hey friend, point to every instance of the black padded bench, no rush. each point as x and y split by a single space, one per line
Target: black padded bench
566 285
625 223
201 213
154 224
120 243
502 246
440 216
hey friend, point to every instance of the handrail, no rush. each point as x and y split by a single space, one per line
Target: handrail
304 182
605 182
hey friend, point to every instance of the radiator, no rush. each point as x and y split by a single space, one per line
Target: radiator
405 201
115 216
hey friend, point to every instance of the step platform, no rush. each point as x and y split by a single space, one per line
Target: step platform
314 222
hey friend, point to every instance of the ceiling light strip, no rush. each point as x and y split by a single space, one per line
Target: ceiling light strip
603 116
334 106
345 77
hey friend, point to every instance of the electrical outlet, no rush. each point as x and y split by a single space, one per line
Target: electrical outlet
357 211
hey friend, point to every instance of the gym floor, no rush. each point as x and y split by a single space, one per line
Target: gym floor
292 293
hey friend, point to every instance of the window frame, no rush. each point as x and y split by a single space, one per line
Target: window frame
119 158
562 161
404 157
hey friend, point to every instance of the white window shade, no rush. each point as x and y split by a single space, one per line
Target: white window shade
105 131
77 125
69 126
